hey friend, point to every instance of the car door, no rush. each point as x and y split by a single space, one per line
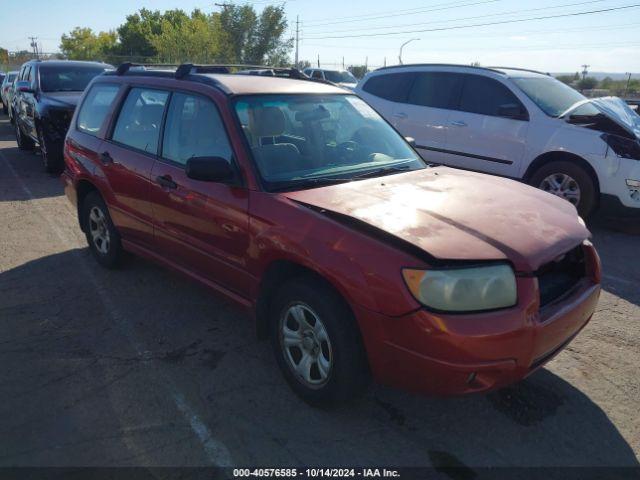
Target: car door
424 115
127 159
385 91
199 226
488 131
29 100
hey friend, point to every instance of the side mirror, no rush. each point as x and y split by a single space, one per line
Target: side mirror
512 110
209 169
411 141
24 86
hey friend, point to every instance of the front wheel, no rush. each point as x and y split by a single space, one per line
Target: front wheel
317 343
24 142
568 181
102 236
51 152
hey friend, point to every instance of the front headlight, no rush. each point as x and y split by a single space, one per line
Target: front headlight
463 289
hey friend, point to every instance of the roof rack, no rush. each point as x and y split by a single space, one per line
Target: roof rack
190 68
182 71
521 70
126 66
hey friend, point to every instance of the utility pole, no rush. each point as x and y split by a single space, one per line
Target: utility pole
385 61
343 63
318 60
626 89
34 45
585 72
297 38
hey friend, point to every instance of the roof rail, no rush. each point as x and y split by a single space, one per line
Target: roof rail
493 69
126 66
521 70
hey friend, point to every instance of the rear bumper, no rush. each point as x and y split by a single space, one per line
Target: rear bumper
69 187
458 354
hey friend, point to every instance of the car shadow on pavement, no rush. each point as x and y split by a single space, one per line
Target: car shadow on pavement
93 358
618 252
27 166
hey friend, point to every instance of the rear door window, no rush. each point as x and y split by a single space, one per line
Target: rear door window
316 74
194 129
392 86
436 89
487 96
95 107
139 122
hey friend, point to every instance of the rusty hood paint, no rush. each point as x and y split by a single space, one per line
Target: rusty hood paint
457 215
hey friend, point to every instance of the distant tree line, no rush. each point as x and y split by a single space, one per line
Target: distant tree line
615 87
237 34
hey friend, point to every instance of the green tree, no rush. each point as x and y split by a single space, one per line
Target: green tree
137 32
358 71
252 39
588 83
187 39
83 44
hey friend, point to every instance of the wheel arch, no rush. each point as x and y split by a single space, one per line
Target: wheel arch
277 273
556 156
83 188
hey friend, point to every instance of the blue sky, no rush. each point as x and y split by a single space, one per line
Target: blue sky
608 41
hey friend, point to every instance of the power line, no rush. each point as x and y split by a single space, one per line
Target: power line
511 12
502 22
501 34
399 13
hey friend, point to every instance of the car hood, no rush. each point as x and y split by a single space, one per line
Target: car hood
456 215
67 99
616 110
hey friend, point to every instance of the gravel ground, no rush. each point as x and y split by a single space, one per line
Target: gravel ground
141 367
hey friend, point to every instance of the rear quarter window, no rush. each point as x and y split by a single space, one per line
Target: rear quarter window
392 86
95 107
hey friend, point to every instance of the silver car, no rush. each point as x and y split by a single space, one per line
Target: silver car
6 89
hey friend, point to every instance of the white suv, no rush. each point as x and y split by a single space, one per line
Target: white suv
516 123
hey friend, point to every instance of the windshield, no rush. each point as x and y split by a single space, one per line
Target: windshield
302 141
67 78
339 77
551 95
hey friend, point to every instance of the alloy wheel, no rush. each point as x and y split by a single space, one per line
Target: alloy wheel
306 345
563 186
99 230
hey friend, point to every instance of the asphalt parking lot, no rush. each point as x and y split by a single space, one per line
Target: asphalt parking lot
141 367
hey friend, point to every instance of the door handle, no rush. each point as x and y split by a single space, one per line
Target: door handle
458 123
400 115
106 158
166 182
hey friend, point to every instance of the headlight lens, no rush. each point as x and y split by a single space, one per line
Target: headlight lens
464 289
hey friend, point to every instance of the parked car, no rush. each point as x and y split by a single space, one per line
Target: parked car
5 86
45 95
518 124
296 200
343 78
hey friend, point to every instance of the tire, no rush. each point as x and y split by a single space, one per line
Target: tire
331 340
24 142
51 152
575 180
102 236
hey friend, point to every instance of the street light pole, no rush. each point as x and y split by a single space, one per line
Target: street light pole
402 46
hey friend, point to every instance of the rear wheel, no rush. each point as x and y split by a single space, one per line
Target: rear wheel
568 181
51 152
24 142
102 236
317 343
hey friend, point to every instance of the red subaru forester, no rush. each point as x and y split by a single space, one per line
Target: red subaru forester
299 202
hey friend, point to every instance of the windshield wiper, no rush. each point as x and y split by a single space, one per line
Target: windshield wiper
309 182
379 172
